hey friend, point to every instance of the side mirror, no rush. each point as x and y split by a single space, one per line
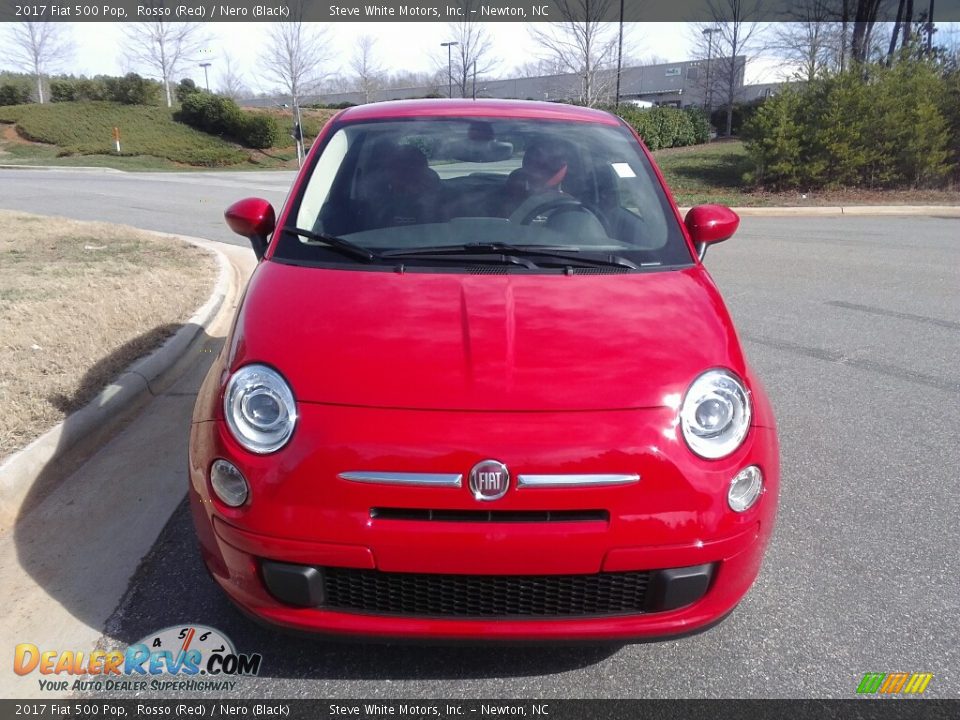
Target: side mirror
254 219
709 224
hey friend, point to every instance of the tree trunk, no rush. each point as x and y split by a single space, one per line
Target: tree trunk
844 21
896 32
40 88
166 87
908 23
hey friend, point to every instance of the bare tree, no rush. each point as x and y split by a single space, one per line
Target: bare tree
368 72
581 43
734 31
538 68
293 57
38 48
164 48
232 84
811 41
472 54
407 79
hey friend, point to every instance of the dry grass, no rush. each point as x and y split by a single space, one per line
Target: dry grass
79 302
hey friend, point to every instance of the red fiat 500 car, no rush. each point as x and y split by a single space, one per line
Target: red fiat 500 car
481 386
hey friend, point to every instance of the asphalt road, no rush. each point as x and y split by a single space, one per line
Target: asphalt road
854 326
190 203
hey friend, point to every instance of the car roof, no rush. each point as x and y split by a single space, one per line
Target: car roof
526 109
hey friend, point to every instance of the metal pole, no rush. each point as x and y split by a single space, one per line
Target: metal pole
616 103
708 96
206 78
449 47
474 79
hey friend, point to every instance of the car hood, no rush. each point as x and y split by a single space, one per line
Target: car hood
456 341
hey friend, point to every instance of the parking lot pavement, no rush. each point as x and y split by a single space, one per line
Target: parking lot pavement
190 203
853 325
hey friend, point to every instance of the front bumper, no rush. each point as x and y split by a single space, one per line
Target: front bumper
302 515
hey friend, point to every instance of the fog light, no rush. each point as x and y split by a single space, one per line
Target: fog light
229 483
745 489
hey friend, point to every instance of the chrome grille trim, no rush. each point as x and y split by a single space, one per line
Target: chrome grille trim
585 480
453 480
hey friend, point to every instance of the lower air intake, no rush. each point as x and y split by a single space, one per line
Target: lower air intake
484 596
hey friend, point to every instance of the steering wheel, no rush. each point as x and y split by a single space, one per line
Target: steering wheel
539 204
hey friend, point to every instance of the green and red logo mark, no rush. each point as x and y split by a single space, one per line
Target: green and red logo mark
894 683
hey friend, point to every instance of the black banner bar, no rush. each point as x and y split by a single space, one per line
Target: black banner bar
856 709
428 10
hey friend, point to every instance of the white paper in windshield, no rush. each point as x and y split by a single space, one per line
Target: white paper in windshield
624 170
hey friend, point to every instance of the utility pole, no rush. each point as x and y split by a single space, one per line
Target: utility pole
449 47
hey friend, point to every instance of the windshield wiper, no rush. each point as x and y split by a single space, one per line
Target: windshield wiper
548 252
345 247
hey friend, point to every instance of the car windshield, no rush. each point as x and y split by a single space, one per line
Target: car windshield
437 191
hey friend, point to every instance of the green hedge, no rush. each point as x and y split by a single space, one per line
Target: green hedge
219 115
877 127
14 93
663 127
131 89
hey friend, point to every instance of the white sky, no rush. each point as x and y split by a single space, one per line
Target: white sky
400 46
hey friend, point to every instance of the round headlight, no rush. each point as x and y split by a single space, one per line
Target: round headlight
715 414
260 409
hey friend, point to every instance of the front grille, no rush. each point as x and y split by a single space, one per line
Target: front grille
485 516
485 596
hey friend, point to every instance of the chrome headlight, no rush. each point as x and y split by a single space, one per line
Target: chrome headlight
260 409
715 414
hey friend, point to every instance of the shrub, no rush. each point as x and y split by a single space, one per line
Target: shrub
14 93
211 113
259 131
77 89
662 127
184 89
699 124
950 107
874 127
219 115
131 89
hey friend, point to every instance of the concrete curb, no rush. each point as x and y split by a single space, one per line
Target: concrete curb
62 168
19 472
835 211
